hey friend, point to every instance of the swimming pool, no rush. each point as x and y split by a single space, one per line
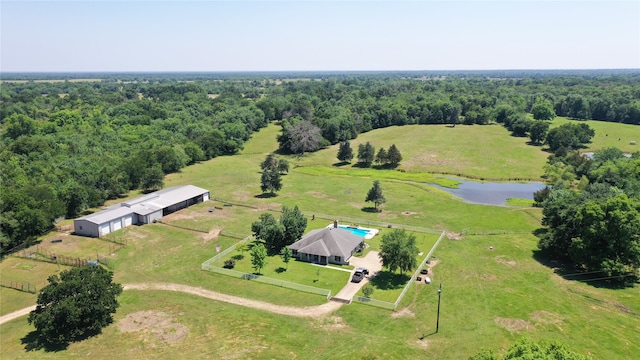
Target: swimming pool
355 230
358 231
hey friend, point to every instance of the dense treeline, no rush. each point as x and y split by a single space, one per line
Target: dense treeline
343 108
70 145
592 214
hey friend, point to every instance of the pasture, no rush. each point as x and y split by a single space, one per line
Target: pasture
495 288
608 134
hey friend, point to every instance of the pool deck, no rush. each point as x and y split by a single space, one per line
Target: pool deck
370 232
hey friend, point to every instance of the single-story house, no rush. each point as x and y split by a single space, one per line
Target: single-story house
327 245
142 210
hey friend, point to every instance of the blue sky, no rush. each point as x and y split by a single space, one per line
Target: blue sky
317 35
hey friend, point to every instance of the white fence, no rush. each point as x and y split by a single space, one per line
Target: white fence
373 302
393 306
415 274
212 265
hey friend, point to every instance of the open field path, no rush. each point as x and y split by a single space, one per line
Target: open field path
16 314
307 311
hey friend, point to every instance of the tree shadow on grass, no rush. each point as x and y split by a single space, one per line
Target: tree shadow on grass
571 272
266 195
386 280
341 163
34 341
237 257
385 166
362 165
280 270
370 209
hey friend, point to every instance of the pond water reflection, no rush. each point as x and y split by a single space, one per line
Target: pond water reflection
492 193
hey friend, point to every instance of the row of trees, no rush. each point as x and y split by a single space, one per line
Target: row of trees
367 155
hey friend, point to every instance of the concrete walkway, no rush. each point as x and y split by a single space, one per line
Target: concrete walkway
372 263
331 267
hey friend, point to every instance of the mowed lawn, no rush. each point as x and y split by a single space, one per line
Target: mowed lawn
494 289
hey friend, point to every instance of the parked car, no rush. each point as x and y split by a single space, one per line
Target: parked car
365 271
358 275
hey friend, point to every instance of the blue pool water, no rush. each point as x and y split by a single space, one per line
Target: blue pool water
354 231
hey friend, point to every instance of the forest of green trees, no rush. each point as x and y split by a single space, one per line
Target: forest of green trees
70 145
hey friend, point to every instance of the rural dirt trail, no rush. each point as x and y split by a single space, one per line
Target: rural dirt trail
16 314
307 311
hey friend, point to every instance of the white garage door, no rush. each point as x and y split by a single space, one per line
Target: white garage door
117 224
104 229
128 220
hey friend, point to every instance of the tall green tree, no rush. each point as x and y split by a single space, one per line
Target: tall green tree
543 110
286 254
393 155
79 302
271 181
381 156
366 154
258 257
345 152
538 131
270 231
375 195
398 251
294 223
273 163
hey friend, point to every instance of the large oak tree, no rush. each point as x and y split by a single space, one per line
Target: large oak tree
78 303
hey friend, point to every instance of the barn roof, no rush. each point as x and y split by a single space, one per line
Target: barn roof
146 204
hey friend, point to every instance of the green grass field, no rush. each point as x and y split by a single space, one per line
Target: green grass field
495 291
608 134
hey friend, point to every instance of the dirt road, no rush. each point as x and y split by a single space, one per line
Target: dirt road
307 311
16 314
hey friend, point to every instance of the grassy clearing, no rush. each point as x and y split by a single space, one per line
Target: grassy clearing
608 134
19 270
476 151
494 290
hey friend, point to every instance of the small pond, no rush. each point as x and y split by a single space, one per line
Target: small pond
492 193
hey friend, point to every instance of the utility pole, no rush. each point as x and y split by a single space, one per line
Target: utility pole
438 319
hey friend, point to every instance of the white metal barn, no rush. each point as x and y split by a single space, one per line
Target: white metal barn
141 210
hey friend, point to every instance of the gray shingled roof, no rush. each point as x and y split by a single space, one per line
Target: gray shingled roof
328 242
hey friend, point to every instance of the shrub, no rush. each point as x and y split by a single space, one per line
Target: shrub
229 264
